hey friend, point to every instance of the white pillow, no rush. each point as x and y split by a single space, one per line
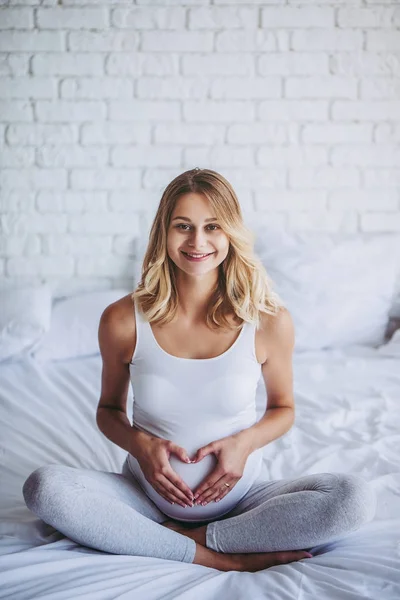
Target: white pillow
24 319
339 289
74 325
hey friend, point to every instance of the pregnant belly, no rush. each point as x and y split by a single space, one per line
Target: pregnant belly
193 475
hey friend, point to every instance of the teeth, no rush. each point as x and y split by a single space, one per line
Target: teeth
196 255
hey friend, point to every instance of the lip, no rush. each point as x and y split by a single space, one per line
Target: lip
191 259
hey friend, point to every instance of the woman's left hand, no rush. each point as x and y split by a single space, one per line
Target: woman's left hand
232 453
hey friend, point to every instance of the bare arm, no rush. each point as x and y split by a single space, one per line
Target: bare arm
116 341
278 376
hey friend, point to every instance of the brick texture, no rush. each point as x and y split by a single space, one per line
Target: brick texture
296 102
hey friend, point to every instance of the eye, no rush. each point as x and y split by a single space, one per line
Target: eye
185 225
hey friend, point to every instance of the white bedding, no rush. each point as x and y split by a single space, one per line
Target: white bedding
347 420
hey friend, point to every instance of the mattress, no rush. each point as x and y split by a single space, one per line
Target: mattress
347 420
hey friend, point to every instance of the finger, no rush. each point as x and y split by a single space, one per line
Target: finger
205 451
164 494
174 477
219 490
170 497
180 485
223 492
176 493
199 494
214 490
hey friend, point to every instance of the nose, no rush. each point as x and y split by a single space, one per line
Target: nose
197 238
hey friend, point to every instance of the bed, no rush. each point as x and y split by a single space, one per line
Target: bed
347 420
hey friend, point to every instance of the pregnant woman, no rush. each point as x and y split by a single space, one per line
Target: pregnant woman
194 338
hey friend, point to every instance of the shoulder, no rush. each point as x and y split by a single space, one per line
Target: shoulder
117 328
278 329
279 322
120 311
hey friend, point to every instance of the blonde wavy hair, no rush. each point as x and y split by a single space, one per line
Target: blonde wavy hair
244 287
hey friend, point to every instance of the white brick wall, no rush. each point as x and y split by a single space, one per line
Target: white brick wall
296 102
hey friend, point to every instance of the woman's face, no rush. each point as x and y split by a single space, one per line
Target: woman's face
192 234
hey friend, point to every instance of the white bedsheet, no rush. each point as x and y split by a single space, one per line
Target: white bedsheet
347 420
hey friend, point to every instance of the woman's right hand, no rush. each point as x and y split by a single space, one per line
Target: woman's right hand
152 454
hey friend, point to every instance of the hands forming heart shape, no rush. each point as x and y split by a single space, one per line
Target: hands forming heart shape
213 478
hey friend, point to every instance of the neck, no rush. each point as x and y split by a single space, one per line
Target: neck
194 294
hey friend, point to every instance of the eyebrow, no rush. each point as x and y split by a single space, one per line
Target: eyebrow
186 219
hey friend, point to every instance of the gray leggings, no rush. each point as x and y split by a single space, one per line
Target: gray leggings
111 513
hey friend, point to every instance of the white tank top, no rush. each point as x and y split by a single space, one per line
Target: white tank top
193 402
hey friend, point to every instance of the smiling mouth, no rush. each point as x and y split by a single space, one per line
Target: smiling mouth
197 254
196 257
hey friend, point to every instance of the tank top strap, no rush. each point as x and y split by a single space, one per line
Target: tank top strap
246 345
143 335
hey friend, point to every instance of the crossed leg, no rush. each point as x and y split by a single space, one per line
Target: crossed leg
106 511
291 514
110 512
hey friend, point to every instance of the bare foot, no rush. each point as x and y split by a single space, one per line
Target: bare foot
255 561
258 561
